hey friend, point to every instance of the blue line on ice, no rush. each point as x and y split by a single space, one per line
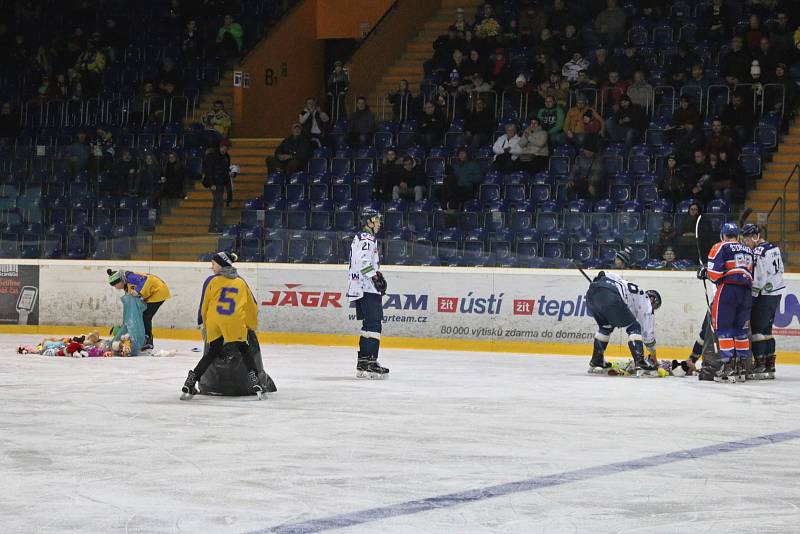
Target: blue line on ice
479 494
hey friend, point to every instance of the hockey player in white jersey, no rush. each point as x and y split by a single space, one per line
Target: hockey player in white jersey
767 288
618 303
365 287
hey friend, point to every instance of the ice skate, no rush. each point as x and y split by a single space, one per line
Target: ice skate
598 366
759 369
371 369
256 386
769 367
148 344
728 373
188 390
642 367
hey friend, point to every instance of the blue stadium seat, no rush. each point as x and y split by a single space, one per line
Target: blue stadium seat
317 166
344 221
297 220
559 165
298 251
489 193
397 252
320 221
418 221
546 222
447 250
521 220
341 193
323 250
718 206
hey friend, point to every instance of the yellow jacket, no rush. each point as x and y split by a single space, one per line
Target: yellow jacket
227 309
148 286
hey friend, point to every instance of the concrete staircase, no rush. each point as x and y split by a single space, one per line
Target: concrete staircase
417 51
182 234
770 187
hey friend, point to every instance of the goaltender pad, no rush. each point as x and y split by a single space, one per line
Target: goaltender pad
228 375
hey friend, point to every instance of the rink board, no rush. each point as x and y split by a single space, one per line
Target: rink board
478 309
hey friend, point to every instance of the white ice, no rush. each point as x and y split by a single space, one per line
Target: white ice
104 445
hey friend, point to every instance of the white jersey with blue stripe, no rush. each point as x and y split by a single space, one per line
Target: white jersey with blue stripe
768 272
364 263
639 304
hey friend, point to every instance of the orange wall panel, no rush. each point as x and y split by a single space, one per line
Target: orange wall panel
284 70
348 19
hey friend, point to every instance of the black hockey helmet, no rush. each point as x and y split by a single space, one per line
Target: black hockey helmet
655 298
367 214
749 230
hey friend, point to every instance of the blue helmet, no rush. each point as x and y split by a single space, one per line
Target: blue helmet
367 214
729 230
750 229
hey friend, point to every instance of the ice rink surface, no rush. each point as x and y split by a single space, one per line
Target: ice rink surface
527 444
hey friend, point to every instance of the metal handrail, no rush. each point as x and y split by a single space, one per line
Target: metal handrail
795 173
781 223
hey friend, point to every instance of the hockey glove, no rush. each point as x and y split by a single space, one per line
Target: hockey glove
380 283
702 273
600 275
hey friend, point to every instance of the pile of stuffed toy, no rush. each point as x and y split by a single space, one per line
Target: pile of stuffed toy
83 346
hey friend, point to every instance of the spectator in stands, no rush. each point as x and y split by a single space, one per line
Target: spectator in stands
461 180
412 181
629 62
586 86
532 20
292 154
216 176
575 126
753 33
686 242
786 103
431 126
628 123
175 176
559 18
190 42
338 84
572 67
555 87
388 176
150 180
91 64
169 75
542 66
103 148
586 176
719 139
700 172
551 118
505 150
666 238
401 101
9 124
443 48
76 154
532 148
218 119
733 184
697 85
611 23
123 174
314 121
500 71
781 35
685 112
688 142
611 92
717 22
230 37
476 64
147 105
640 92
362 124
766 57
569 42
479 125
680 65
735 65
522 94
601 66
673 186
739 117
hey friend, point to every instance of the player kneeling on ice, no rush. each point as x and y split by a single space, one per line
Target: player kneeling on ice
227 311
730 268
366 287
617 303
148 287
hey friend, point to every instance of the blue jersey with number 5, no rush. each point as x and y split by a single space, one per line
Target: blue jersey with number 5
227 308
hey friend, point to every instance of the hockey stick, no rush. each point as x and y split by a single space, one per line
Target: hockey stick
705 287
582 272
744 215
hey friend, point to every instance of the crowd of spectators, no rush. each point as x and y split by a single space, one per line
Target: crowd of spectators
690 85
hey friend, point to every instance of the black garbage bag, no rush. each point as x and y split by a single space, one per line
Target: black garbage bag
712 362
228 375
